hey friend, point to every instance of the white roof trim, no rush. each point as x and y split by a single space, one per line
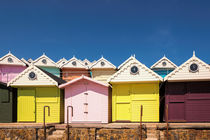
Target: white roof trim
126 61
127 64
164 58
102 59
46 57
28 69
81 78
74 59
61 60
170 75
26 62
11 55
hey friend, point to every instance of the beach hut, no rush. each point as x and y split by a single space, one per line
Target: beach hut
38 88
61 62
132 86
102 69
187 92
74 68
87 63
47 64
89 99
10 66
163 66
8 104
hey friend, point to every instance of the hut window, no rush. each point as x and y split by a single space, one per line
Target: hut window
44 61
32 76
134 70
74 63
10 60
102 63
164 63
86 63
193 67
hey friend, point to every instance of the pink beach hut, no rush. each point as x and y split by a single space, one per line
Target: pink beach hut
89 99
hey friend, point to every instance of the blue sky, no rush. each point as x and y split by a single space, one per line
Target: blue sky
112 28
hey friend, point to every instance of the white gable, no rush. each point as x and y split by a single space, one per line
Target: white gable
10 59
44 61
86 62
125 74
61 62
164 62
183 72
103 63
126 61
41 79
74 63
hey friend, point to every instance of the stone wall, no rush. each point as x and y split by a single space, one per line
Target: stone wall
104 134
186 134
23 134
107 134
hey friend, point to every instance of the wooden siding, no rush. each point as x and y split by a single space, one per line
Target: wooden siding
26 105
41 79
102 74
6 106
70 74
53 70
89 100
31 102
8 72
188 101
143 75
127 99
182 73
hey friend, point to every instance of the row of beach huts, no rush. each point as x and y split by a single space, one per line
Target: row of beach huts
100 92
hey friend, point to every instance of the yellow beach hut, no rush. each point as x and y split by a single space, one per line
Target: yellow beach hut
102 69
38 88
132 86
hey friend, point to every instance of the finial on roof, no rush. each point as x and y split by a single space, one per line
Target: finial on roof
43 53
164 55
9 51
134 56
102 56
193 53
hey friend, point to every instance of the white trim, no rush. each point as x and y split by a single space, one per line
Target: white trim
164 58
26 71
128 63
45 57
11 55
170 75
93 66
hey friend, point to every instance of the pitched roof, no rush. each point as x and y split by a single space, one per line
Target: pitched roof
168 63
49 62
183 72
106 64
74 63
61 62
125 75
56 78
26 62
86 62
42 78
126 61
10 59
81 78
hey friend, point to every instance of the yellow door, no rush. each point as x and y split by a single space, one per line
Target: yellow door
26 105
123 103
148 96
